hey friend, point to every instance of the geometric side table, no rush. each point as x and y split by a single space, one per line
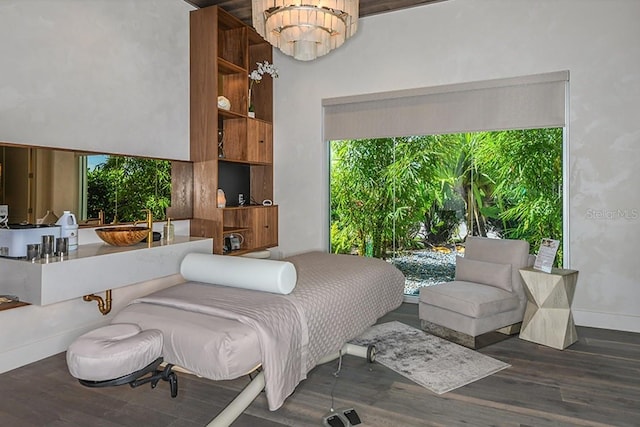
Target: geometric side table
547 318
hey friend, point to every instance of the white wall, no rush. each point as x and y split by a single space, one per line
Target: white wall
99 75
468 40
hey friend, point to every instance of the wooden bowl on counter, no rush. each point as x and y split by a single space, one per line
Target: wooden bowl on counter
122 236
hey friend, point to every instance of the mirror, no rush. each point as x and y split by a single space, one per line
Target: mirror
38 183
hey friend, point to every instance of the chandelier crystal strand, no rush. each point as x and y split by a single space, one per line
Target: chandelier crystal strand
305 29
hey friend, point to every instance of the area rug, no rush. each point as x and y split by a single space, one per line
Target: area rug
434 363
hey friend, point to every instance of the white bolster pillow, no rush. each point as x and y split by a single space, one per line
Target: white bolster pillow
249 273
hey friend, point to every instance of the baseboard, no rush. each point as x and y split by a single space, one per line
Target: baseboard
38 350
616 322
589 319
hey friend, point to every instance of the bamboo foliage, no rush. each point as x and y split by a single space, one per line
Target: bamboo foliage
408 192
123 186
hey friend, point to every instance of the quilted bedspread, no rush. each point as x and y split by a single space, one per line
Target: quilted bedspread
341 296
336 298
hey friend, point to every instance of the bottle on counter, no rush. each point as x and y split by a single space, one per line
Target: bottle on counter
69 228
168 231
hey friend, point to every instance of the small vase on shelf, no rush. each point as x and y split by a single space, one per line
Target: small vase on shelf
251 112
256 77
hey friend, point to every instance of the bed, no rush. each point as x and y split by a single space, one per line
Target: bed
221 332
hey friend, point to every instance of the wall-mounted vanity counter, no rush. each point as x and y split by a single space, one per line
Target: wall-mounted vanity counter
94 268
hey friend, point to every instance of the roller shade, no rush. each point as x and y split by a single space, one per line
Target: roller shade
536 101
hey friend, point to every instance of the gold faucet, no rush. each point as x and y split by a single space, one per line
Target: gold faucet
149 221
99 219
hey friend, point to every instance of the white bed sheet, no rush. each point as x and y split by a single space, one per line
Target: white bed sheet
232 348
337 297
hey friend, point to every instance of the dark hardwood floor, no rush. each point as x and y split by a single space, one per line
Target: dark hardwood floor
595 382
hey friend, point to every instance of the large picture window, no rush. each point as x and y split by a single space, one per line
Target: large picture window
416 169
414 200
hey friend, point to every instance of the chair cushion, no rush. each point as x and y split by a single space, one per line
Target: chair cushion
504 251
470 299
487 273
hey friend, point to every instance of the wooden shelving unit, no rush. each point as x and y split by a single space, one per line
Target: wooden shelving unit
223 52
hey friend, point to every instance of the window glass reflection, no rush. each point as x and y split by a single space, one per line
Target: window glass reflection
119 187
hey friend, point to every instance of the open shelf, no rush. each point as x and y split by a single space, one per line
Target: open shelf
226 67
224 50
230 230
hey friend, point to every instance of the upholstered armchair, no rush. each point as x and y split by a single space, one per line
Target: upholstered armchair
487 293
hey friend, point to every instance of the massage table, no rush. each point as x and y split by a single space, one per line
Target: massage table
224 332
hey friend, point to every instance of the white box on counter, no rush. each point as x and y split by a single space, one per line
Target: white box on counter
14 240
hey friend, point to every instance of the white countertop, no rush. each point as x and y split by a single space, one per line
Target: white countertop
94 268
98 249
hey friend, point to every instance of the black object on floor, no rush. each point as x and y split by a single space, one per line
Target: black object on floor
352 416
344 417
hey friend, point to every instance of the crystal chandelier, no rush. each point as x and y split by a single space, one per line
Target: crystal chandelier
305 29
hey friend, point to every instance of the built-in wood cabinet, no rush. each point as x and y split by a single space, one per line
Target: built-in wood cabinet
229 148
265 226
247 140
259 141
258 225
